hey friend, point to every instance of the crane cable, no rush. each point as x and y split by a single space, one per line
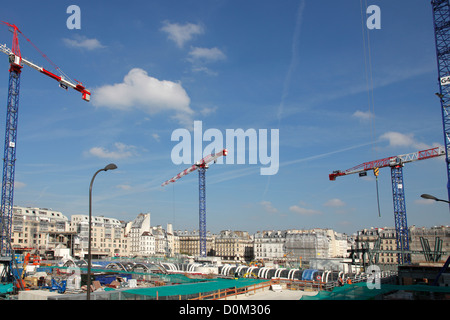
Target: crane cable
173 203
375 171
370 95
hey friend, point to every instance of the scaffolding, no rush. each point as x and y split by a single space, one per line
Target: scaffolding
308 244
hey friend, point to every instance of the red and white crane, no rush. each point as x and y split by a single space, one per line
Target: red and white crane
16 63
17 60
204 162
398 191
390 161
201 166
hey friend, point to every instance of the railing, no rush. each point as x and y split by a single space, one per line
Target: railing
305 285
232 292
288 284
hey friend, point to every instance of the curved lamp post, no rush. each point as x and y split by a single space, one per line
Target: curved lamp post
428 196
110 166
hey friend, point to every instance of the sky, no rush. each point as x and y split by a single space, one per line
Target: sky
337 93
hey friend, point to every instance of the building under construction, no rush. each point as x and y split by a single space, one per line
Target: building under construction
316 243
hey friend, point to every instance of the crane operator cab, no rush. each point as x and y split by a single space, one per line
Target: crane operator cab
15 60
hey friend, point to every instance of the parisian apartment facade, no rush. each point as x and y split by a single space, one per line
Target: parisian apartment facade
45 230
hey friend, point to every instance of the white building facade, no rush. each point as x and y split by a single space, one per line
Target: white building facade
269 245
33 228
135 230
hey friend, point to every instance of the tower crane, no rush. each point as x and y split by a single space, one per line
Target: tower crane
16 64
441 22
201 166
396 164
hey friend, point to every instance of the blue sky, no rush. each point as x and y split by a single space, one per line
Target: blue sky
301 67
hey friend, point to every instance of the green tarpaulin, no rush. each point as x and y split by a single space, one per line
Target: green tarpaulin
361 291
6 288
195 288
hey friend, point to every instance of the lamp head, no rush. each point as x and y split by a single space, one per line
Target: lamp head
428 196
110 166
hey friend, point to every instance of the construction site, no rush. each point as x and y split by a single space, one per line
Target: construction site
209 279
387 265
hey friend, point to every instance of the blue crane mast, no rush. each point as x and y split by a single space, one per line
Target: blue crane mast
400 220
9 159
202 208
441 22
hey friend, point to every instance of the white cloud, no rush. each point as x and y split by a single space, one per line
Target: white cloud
83 42
141 91
180 34
205 70
18 184
334 203
206 54
363 116
208 111
156 137
123 186
397 139
424 201
304 211
201 56
120 151
268 207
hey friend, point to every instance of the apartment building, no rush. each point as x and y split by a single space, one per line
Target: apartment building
111 237
189 242
422 242
46 229
388 242
316 243
173 242
136 230
338 244
39 229
161 245
234 245
147 244
269 245
108 236
430 240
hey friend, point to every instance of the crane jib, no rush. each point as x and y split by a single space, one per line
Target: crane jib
16 62
51 75
391 161
203 162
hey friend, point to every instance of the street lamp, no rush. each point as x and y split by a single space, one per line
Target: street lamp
428 196
110 166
